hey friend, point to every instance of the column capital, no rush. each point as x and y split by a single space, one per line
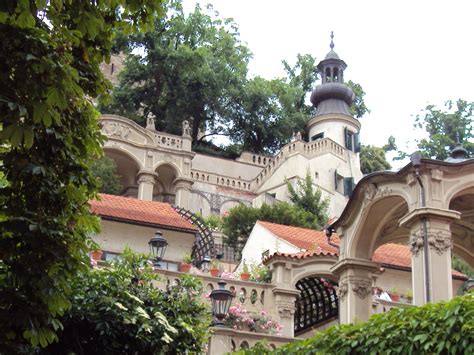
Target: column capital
183 183
430 213
147 176
353 263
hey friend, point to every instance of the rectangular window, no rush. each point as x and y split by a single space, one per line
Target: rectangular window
317 136
352 140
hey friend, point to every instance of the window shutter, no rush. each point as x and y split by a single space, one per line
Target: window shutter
348 186
357 143
335 179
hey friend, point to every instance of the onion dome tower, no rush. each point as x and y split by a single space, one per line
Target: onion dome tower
332 100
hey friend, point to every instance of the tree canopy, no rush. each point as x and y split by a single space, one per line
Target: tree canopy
444 127
309 198
50 53
196 66
373 159
187 66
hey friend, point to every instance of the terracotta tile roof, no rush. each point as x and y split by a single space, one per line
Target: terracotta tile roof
303 255
132 210
303 238
309 239
399 255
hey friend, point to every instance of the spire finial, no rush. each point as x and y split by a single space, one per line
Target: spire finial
332 41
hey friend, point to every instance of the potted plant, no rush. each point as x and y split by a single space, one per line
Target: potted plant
186 263
97 254
244 274
409 295
394 294
214 269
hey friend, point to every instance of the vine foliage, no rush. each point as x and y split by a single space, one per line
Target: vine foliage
50 53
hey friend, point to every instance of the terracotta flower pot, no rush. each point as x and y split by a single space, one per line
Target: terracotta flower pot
214 272
97 254
395 297
184 267
244 276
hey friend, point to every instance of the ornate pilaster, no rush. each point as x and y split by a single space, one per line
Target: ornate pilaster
285 304
431 273
146 181
355 288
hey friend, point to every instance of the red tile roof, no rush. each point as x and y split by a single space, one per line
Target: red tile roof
314 243
303 238
398 255
303 255
147 212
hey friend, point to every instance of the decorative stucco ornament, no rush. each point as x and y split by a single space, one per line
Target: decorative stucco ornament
416 243
440 241
362 288
342 290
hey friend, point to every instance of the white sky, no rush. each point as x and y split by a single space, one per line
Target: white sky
405 54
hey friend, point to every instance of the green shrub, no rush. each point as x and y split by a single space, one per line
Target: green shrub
116 309
439 328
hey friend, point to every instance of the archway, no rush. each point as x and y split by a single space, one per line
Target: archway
463 229
127 169
164 189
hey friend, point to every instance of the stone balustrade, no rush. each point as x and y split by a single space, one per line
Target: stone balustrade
381 306
221 180
168 140
225 340
308 149
253 296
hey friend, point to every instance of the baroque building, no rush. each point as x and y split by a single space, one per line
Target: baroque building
162 167
393 229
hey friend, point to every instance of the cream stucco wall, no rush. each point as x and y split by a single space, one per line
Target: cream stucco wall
115 236
225 167
260 240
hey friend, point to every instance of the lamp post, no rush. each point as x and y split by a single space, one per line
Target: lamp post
221 300
205 263
158 246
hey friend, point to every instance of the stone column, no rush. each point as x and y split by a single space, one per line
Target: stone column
183 187
437 278
146 181
355 289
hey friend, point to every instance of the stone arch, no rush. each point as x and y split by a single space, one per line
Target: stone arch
128 165
462 230
164 189
377 216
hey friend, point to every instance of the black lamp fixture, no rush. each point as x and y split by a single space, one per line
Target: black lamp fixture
205 263
221 300
158 246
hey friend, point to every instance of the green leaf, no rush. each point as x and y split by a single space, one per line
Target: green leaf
25 19
28 137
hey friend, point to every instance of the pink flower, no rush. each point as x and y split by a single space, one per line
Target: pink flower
263 313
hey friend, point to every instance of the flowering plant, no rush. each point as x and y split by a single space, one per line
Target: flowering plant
241 319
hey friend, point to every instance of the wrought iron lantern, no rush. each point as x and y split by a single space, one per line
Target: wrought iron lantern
205 263
158 246
221 300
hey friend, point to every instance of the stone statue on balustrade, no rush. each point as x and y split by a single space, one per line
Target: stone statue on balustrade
186 129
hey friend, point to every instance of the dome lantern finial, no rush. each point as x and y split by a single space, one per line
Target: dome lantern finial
331 45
